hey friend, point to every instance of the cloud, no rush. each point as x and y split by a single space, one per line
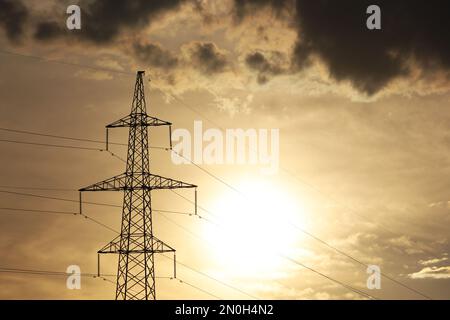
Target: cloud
104 20
234 105
333 35
94 75
195 58
402 241
265 67
408 245
13 16
432 261
48 30
208 58
336 32
432 273
245 8
322 296
154 55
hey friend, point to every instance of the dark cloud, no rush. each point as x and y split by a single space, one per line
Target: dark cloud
154 55
265 67
336 32
244 8
207 58
104 20
13 16
48 31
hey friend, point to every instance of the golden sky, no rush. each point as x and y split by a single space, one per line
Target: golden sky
363 132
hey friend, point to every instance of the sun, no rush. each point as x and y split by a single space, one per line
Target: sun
252 228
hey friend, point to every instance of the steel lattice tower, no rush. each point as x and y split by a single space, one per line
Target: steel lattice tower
136 244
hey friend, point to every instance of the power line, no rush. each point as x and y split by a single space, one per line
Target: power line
359 261
193 202
360 292
52 273
164 92
186 105
292 175
292 260
201 168
213 278
198 288
59 136
73 64
116 156
47 272
58 198
207 172
50 145
349 287
40 211
34 133
163 148
185 213
332 247
304 231
93 275
199 216
181 226
60 212
236 190
178 262
60 146
35 188
113 230
308 233
99 223
288 172
77 201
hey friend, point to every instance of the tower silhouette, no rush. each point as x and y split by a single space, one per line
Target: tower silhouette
136 245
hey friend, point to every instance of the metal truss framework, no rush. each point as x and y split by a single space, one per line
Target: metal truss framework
136 244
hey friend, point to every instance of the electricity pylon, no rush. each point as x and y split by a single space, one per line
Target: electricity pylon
136 244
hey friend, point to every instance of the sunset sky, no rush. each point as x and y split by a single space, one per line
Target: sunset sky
364 158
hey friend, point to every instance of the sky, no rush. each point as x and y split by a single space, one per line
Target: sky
363 144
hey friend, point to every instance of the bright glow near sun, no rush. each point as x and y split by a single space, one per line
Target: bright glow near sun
252 230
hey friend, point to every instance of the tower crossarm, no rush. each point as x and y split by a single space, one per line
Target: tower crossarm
157 247
159 182
116 183
137 181
138 120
